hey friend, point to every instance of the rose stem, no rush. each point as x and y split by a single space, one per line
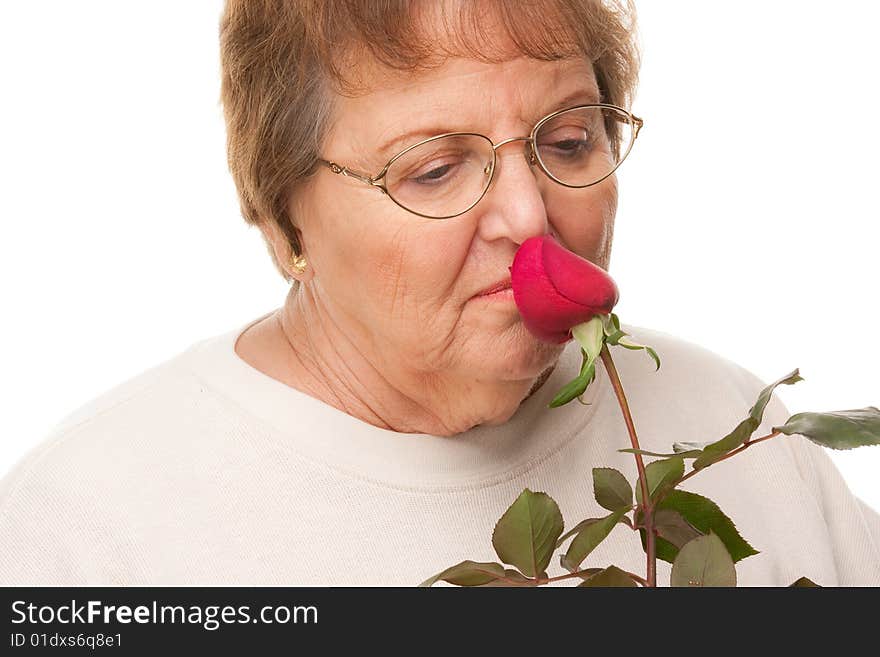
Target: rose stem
647 506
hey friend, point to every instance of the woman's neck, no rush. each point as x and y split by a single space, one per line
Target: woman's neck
301 347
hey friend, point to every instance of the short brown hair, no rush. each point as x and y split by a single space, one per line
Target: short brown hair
282 59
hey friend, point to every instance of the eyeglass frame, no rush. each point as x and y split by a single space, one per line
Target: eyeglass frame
533 158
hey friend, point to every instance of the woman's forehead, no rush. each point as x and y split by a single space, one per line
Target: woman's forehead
464 94
459 75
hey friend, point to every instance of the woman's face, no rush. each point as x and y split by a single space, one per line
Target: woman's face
404 287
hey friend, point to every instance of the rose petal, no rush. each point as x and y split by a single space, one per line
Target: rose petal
578 279
545 312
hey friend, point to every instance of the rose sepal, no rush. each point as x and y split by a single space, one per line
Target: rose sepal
616 337
590 335
576 387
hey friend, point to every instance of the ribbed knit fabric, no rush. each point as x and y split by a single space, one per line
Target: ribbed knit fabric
204 470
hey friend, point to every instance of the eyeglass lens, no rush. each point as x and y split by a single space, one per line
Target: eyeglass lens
447 175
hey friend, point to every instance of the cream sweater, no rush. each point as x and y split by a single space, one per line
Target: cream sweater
203 470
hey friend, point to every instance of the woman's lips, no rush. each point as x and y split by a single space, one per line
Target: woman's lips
498 287
504 294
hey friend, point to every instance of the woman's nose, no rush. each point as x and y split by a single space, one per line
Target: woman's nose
513 206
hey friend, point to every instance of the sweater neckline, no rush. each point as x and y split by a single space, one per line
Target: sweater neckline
319 432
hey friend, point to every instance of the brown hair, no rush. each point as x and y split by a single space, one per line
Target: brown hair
281 61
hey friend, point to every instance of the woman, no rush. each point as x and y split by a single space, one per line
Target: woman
374 427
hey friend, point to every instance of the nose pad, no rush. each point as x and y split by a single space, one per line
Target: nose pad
531 158
530 154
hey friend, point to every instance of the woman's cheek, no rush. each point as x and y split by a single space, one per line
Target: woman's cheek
439 255
585 222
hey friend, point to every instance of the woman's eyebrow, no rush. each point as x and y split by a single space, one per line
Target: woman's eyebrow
587 96
409 138
584 96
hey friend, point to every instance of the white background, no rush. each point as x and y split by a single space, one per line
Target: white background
748 217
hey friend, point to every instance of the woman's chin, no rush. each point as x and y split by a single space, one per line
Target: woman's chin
516 355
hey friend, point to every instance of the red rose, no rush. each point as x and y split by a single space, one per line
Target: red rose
556 289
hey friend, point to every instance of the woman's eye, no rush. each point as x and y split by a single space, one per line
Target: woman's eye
567 141
566 148
432 176
569 144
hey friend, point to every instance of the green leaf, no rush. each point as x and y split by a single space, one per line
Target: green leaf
611 326
664 550
577 386
685 455
803 582
654 356
610 323
572 389
468 573
512 578
673 528
613 338
610 576
614 320
583 523
525 536
689 448
704 561
757 411
574 530
661 475
837 429
705 516
611 489
584 574
629 344
673 531
589 537
715 451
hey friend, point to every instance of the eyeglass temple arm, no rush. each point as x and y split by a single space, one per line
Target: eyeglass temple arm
345 171
638 123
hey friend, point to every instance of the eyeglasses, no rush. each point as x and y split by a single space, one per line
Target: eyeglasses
446 175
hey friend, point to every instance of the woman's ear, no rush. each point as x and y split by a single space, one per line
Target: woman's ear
296 265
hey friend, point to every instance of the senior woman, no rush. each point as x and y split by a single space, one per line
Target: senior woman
373 428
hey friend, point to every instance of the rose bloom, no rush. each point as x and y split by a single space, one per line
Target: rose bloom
555 290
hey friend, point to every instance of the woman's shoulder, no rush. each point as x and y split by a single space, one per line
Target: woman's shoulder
686 367
144 413
105 420
125 396
111 468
